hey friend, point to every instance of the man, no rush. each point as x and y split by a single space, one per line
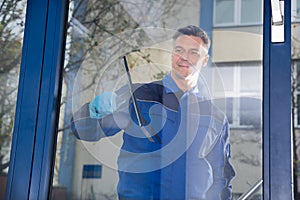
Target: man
187 154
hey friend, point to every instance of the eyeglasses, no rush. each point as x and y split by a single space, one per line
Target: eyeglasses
191 53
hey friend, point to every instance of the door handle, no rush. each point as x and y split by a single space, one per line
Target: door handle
277 30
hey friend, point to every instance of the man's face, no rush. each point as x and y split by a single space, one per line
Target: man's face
189 55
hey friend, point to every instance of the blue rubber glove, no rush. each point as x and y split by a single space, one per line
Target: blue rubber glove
104 104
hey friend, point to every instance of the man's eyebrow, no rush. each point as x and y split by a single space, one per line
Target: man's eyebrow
177 46
195 49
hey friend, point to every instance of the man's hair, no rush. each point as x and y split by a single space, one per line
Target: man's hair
192 30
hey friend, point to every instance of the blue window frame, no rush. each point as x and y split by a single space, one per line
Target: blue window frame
277 168
38 98
34 136
237 12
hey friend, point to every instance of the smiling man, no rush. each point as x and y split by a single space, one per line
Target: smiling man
191 158
189 55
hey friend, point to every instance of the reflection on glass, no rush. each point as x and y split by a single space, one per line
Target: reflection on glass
99 33
12 17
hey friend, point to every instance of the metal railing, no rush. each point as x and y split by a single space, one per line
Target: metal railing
251 190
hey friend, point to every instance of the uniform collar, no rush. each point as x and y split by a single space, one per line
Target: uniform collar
171 86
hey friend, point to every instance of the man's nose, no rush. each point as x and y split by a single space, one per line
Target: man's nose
184 56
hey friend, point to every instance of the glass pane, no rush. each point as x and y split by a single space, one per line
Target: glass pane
296 122
12 17
177 98
251 76
250 112
251 12
227 75
224 12
295 94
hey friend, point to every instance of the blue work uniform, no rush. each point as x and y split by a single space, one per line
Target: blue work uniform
189 158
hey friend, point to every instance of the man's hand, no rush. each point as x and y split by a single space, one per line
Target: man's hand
104 104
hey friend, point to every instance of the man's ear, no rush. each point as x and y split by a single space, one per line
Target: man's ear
205 60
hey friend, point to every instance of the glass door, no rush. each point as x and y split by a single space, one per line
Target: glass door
100 34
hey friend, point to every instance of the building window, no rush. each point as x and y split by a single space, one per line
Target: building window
224 11
295 10
237 12
243 93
